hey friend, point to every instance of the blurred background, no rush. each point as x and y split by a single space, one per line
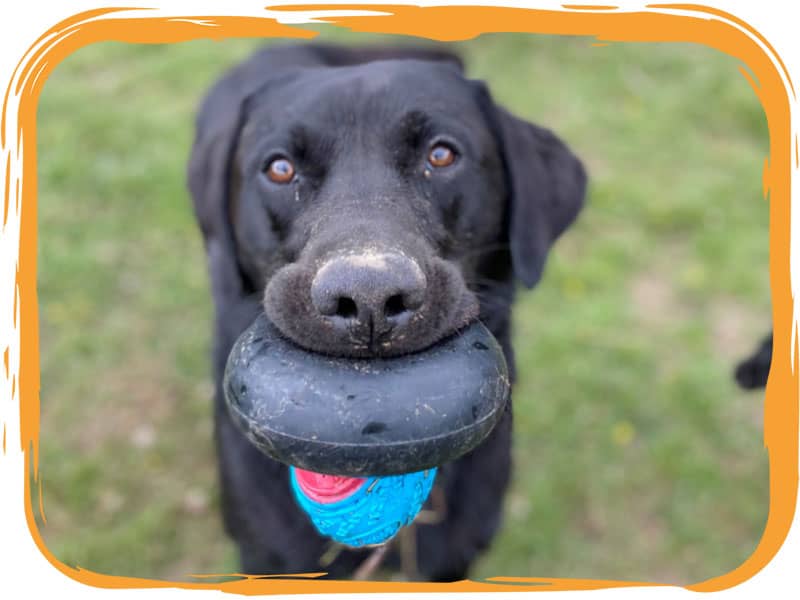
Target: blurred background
636 456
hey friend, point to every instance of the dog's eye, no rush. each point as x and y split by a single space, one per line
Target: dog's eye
441 155
280 170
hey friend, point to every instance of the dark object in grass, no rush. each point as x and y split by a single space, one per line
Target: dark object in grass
359 417
752 372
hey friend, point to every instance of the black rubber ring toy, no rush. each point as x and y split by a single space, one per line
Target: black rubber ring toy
365 417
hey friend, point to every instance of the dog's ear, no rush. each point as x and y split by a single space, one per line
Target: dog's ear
217 130
546 190
219 122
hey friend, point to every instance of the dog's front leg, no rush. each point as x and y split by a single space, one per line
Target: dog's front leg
473 488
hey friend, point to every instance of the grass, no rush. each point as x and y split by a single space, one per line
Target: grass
636 457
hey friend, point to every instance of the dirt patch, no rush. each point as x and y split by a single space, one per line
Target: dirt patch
131 403
654 300
734 328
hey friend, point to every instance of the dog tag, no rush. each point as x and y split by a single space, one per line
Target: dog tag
365 417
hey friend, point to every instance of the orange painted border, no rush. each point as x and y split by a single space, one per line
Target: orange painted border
703 25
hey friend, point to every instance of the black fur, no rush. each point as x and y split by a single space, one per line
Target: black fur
752 372
358 125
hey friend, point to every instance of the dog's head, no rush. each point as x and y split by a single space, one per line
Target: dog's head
372 195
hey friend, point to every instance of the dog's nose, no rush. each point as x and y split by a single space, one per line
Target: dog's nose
372 292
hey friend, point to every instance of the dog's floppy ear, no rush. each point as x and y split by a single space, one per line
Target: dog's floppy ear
546 186
217 130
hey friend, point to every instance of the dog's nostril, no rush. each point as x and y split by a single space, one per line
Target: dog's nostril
394 306
346 308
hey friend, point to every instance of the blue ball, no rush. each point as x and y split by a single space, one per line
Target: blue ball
373 513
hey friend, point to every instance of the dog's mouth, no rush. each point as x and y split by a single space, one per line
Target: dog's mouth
365 417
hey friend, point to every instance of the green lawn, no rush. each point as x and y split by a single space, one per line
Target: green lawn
636 457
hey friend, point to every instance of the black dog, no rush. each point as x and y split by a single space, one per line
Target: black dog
371 201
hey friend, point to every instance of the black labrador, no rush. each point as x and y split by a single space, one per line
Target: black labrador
371 201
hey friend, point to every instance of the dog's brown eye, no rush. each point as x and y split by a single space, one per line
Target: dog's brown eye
441 155
280 170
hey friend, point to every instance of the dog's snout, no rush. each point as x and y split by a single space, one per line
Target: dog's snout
378 291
